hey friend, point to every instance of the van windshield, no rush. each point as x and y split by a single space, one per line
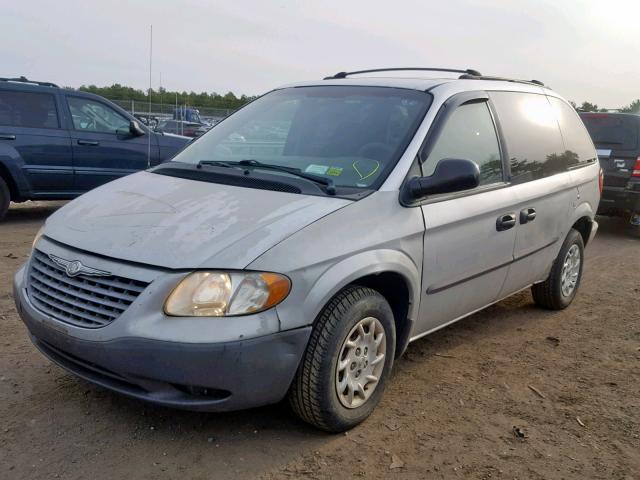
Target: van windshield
617 132
351 136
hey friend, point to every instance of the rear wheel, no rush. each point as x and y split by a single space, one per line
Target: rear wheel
560 288
5 198
347 362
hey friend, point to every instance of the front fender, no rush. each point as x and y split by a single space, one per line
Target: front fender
11 163
306 302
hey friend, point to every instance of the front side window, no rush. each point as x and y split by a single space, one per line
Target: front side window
469 134
92 116
351 135
532 135
28 109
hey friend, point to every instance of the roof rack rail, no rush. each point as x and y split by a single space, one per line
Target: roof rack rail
24 79
468 71
468 76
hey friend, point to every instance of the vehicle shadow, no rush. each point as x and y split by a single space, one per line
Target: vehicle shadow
616 227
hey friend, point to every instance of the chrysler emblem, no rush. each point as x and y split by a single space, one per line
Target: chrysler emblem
73 268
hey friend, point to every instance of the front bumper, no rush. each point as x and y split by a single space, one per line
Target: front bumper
619 199
223 376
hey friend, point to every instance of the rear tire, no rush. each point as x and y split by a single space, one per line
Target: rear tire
5 198
560 288
336 360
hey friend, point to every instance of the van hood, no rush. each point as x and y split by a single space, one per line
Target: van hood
183 224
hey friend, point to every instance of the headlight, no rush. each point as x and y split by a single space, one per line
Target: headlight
37 237
221 294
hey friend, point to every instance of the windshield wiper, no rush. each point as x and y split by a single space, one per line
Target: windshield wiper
327 182
215 163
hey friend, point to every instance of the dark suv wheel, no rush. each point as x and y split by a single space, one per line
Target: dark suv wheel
5 198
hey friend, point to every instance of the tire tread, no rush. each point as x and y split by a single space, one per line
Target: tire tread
547 294
305 390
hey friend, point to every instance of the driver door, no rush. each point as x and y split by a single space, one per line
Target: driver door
103 150
466 253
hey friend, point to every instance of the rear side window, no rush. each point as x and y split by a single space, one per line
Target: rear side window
471 135
617 132
28 109
532 135
579 148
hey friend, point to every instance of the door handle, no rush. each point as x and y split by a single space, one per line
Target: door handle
4 136
505 222
527 215
90 143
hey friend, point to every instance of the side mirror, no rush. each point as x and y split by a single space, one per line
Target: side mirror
135 129
451 175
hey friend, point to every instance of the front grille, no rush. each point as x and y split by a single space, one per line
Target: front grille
84 301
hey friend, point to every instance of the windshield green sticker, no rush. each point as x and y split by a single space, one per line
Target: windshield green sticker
334 171
317 169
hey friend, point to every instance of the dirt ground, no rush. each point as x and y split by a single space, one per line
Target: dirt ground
568 381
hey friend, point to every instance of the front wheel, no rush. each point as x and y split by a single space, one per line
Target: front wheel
5 198
348 361
560 288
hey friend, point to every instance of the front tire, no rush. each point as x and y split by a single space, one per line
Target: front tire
5 198
348 361
560 288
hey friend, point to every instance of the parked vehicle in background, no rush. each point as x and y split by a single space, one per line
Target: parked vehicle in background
188 114
354 216
617 138
179 127
57 143
150 121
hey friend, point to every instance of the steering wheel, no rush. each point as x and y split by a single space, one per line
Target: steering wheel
376 151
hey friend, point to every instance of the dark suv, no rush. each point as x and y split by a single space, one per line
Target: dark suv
57 143
617 138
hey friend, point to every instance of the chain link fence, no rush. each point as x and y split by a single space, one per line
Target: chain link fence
162 111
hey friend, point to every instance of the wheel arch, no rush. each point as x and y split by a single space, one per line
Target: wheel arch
584 226
391 273
396 290
6 175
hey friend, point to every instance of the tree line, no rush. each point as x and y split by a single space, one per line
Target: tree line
633 107
231 101
204 99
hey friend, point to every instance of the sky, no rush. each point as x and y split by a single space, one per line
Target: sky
584 49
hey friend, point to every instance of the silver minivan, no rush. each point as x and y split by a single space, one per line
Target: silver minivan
298 247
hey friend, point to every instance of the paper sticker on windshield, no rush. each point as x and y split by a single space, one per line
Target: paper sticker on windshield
317 169
334 171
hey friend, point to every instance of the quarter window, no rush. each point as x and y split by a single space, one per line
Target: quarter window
93 116
578 146
471 135
28 109
532 135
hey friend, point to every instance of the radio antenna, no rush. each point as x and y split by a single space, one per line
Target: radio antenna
149 112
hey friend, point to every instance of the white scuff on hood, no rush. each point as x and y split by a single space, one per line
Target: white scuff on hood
182 224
